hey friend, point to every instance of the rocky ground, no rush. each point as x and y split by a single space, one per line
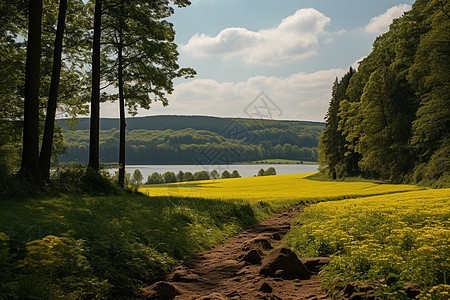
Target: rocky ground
249 266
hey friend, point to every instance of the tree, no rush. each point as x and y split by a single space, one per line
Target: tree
226 174
155 178
235 174
261 172
170 177
142 56
214 174
137 178
270 171
180 176
47 142
201 175
30 152
94 140
188 176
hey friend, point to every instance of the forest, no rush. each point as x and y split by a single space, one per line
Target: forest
390 119
195 140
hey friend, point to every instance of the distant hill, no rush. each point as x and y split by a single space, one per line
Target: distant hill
196 139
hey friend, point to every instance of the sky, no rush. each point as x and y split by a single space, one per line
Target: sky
272 59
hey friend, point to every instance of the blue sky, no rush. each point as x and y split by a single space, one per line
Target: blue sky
289 49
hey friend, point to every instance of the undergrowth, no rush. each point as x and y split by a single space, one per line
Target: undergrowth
108 247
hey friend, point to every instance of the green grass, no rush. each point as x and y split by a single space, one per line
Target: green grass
114 244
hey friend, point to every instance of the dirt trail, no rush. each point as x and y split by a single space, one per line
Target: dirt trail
219 274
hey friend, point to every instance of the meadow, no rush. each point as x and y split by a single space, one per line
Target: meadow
275 189
76 247
382 240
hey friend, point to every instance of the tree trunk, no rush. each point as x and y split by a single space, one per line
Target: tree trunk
95 93
47 142
30 153
122 118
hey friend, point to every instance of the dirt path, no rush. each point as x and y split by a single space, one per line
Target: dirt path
221 274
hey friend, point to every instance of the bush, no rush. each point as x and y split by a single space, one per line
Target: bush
270 171
188 176
136 179
170 177
155 178
261 172
215 175
235 174
201 175
226 174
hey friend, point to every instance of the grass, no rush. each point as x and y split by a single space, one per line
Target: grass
87 247
292 187
110 246
381 240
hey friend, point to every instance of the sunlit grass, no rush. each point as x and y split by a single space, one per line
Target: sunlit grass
274 188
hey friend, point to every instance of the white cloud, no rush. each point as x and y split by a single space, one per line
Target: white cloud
301 96
380 24
295 38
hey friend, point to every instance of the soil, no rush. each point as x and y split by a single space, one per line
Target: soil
221 274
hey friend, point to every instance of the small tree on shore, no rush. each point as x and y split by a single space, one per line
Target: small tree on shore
188 176
235 174
170 177
270 171
136 179
261 172
214 174
226 174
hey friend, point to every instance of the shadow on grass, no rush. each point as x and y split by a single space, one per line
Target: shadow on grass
126 240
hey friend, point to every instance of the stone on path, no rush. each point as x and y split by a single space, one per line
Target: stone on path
253 256
285 260
258 242
161 291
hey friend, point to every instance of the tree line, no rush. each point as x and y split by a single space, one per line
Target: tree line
46 48
390 119
170 177
190 146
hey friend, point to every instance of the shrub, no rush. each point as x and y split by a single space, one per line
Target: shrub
170 177
201 175
188 176
235 174
155 178
226 174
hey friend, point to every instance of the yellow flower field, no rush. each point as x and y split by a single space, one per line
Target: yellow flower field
269 188
406 234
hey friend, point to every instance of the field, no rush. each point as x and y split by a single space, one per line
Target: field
291 188
95 247
405 237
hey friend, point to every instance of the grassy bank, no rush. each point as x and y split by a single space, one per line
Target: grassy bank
278 161
86 247
382 240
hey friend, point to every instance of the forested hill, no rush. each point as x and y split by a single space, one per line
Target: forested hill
196 139
391 118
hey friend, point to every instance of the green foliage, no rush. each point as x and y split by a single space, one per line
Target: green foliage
226 174
169 177
108 247
188 176
235 174
270 171
184 139
214 174
136 179
261 172
155 178
390 120
201 175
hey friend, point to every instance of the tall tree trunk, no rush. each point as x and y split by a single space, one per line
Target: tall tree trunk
122 117
30 153
47 142
95 93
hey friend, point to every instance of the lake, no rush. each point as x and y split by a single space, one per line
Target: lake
244 170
